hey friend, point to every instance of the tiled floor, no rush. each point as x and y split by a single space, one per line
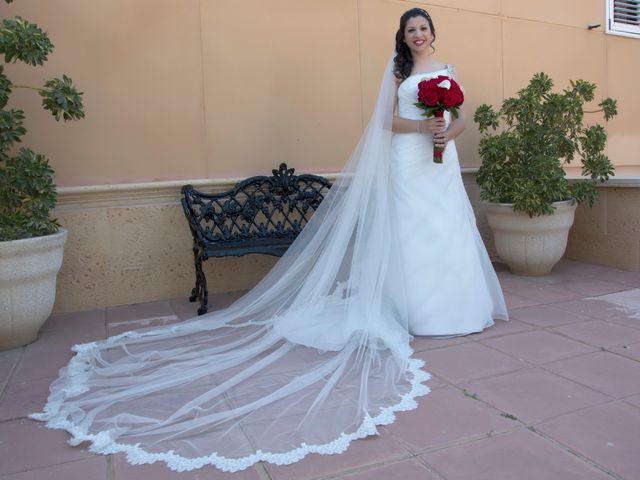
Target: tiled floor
552 394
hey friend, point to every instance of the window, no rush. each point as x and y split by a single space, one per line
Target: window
623 17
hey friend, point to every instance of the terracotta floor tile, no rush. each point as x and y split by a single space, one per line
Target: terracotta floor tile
601 334
26 444
471 360
546 289
368 451
554 278
139 311
520 455
68 337
626 320
444 416
631 351
187 310
594 286
410 469
435 381
596 308
117 328
8 361
51 352
627 303
88 320
542 293
500 328
159 471
633 400
218 301
511 282
421 344
184 308
538 347
64 339
534 395
580 268
22 399
34 367
608 434
514 300
631 279
546 316
602 371
94 468
49 340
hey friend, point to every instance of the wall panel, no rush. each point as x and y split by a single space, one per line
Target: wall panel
139 65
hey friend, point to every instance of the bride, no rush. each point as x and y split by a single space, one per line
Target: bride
318 353
452 287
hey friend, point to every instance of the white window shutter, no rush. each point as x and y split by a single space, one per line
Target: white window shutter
623 17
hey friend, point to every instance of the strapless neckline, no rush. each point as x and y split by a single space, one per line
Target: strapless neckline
426 74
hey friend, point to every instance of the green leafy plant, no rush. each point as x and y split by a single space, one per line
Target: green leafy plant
526 143
27 191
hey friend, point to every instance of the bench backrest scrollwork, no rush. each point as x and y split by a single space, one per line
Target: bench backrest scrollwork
255 210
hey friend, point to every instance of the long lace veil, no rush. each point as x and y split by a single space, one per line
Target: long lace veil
313 357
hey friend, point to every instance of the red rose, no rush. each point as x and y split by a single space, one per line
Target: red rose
455 88
453 99
449 99
441 94
428 92
429 97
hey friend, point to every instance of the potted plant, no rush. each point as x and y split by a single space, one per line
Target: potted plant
524 146
31 242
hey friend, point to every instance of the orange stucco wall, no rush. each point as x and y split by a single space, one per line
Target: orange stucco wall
214 89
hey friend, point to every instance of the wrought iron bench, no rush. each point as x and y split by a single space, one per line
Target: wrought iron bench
261 214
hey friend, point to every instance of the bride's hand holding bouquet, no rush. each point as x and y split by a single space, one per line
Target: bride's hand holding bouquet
435 96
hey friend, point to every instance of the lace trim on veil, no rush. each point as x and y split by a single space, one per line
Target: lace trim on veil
102 443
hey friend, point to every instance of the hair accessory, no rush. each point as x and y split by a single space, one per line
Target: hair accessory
425 12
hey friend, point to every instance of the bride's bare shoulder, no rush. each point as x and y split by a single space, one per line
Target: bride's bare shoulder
438 65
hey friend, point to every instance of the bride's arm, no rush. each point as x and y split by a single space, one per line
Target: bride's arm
404 125
455 128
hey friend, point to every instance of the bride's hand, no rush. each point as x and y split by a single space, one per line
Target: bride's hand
434 125
441 139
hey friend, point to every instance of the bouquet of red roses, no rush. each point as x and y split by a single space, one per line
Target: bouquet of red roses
437 95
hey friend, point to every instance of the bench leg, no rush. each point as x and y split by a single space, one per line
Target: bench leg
200 291
204 292
196 289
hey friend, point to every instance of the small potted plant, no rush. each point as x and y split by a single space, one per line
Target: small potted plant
524 146
31 242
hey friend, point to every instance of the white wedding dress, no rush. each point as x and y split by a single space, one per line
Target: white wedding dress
318 353
452 288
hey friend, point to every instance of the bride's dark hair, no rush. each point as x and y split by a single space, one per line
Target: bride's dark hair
403 61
